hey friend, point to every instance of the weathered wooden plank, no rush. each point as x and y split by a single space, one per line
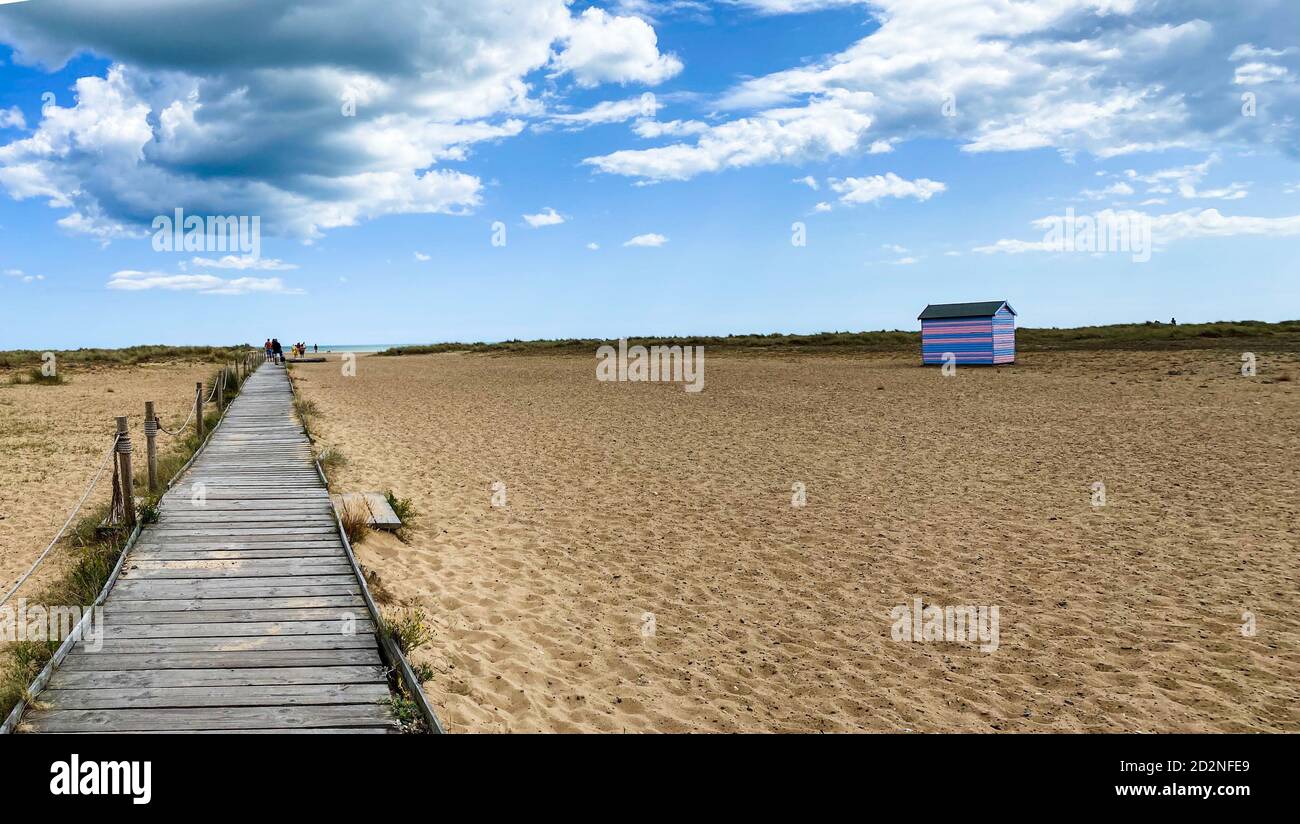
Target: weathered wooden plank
345 626
251 568
202 604
311 731
210 718
217 677
378 511
221 660
223 643
223 589
159 697
163 531
282 553
217 584
116 618
284 543
245 520
381 512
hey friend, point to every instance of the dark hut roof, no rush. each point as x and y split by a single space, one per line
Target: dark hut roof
979 309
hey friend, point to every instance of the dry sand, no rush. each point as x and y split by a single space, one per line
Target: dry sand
627 499
53 437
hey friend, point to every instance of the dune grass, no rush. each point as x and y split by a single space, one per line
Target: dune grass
128 356
1131 336
356 523
36 376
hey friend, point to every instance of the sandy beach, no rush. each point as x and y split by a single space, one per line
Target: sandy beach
648 571
53 437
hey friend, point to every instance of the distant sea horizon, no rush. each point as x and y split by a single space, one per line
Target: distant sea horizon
356 347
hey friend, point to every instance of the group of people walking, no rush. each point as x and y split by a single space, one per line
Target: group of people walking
275 352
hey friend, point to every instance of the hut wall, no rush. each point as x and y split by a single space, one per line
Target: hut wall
969 339
1004 336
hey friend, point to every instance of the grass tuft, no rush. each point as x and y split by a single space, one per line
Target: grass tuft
306 410
330 459
402 507
424 671
35 376
356 522
375 584
409 627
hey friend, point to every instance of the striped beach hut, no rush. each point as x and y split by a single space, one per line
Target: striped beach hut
982 332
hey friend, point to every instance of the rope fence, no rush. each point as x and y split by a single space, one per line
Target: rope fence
180 429
103 464
121 447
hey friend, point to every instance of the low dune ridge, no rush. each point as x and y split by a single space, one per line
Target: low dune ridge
626 501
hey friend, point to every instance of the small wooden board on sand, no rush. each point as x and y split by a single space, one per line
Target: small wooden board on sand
375 505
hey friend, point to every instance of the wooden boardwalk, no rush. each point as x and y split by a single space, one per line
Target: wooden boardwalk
239 611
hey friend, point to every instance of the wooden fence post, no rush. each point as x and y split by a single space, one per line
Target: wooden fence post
198 410
151 447
221 388
124 470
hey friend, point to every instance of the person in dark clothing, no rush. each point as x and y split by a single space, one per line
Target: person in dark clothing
277 350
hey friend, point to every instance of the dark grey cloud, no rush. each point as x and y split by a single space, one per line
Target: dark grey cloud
311 113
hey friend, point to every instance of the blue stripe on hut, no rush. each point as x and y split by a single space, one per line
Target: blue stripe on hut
975 333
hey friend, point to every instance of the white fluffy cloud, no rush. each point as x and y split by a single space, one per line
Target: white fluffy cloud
1109 77
1167 228
855 190
831 125
20 275
546 217
12 118
669 128
651 239
602 48
1185 180
609 111
132 280
322 114
792 6
1116 189
242 262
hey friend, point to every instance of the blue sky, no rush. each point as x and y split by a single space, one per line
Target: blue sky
924 147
